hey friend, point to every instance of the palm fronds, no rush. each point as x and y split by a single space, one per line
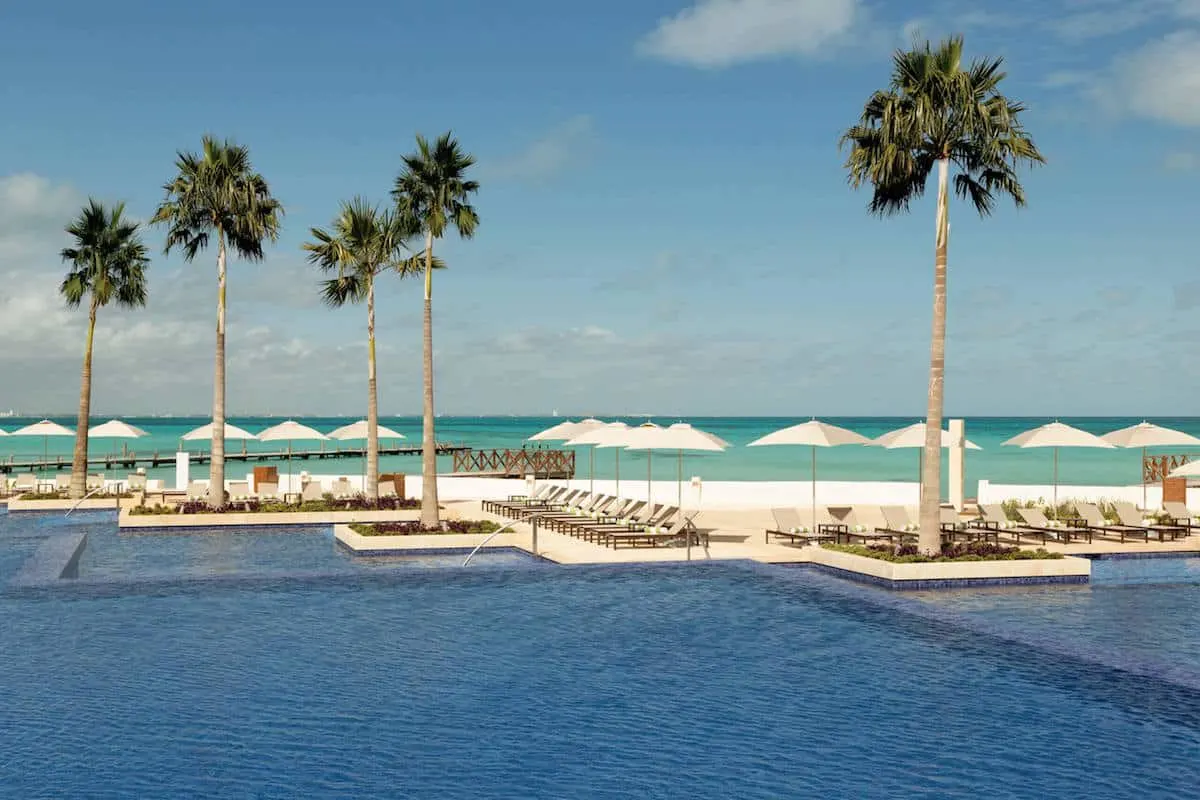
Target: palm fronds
108 260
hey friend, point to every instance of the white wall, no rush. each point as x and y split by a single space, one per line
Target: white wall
998 492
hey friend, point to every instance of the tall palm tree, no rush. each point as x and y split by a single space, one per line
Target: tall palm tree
363 243
108 263
939 113
433 190
217 193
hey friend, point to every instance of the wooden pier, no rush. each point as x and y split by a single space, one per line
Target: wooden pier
541 463
132 459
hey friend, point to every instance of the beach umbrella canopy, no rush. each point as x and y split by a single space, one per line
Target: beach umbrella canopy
1189 470
3 432
44 429
565 430
678 437
1147 434
914 436
358 430
288 431
205 432
116 429
605 434
1055 435
812 434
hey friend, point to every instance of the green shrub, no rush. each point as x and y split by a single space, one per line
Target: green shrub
971 551
411 527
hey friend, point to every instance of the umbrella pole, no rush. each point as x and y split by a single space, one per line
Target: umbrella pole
592 470
814 489
1056 483
649 470
1143 470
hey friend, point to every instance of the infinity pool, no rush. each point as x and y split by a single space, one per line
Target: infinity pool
324 677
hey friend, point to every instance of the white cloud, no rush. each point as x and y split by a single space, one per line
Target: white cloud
1159 81
719 33
561 148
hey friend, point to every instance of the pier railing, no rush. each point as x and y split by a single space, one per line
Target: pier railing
517 463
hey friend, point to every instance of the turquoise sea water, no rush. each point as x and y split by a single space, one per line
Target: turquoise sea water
994 462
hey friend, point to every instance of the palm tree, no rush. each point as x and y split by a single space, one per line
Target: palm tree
364 243
216 192
937 114
434 191
108 262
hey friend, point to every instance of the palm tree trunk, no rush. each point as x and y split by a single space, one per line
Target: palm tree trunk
371 490
930 539
429 495
80 459
216 473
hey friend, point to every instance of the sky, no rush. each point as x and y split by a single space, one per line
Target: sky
666 226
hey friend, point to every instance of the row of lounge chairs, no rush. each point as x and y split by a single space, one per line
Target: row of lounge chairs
603 519
866 523
239 491
27 482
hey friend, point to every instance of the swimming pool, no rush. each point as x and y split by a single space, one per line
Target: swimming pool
329 679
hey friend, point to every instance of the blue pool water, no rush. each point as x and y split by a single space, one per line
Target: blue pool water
522 680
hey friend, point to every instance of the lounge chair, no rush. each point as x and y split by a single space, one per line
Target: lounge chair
591 508
94 482
341 489
312 492
1095 521
62 481
136 482
633 517
612 514
671 527
543 492
197 490
386 489
1064 531
791 525
993 518
569 499
1180 514
870 524
26 482
1128 514
268 492
239 492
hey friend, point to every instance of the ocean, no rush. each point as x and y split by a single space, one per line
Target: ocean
994 462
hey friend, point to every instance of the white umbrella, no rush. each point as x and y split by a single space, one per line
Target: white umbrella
3 432
913 436
1189 470
44 429
1146 434
1056 434
566 431
812 434
677 437
612 434
205 432
116 429
357 431
290 431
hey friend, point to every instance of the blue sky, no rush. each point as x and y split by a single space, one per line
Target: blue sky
666 226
